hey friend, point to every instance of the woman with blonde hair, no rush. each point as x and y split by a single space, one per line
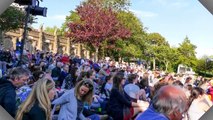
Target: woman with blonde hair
72 101
38 104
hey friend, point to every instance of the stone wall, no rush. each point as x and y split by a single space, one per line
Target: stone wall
39 40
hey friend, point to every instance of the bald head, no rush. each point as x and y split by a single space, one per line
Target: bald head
171 101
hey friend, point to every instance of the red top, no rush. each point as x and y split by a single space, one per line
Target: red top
65 59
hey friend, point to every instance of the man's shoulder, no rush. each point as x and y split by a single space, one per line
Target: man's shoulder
6 85
151 114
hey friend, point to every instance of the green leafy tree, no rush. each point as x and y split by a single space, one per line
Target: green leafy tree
154 42
136 41
73 17
204 64
156 39
187 53
133 46
167 56
116 5
11 19
50 30
201 64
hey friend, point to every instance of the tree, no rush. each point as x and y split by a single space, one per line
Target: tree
97 25
187 53
204 65
116 5
154 41
166 55
11 19
73 17
51 30
131 47
135 44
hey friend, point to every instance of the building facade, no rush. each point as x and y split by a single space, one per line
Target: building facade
40 40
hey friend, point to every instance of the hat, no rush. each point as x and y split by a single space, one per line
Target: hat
131 90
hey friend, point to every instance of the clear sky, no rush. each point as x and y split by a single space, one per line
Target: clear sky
173 19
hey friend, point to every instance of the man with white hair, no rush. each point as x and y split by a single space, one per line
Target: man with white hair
18 77
170 103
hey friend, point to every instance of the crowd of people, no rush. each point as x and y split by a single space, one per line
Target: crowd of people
49 86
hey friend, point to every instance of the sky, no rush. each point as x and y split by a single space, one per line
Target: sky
173 19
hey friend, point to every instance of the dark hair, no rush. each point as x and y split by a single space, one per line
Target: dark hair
159 85
177 83
108 77
144 81
18 72
37 75
195 92
169 100
117 79
189 87
89 73
73 70
188 79
132 77
82 75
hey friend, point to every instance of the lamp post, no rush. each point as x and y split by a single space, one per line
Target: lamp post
24 36
33 9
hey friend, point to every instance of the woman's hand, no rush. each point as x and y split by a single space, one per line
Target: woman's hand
143 105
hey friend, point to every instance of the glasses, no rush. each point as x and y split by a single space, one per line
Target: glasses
88 84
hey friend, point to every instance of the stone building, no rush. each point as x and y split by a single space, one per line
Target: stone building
40 40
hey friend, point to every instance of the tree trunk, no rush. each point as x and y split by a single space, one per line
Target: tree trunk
96 54
166 65
153 63
103 55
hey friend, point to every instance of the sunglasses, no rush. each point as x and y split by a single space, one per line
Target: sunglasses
88 85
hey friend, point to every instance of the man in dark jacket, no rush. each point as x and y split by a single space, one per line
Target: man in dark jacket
17 78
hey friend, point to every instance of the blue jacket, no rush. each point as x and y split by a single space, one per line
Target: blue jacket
62 76
8 96
68 110
151 114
